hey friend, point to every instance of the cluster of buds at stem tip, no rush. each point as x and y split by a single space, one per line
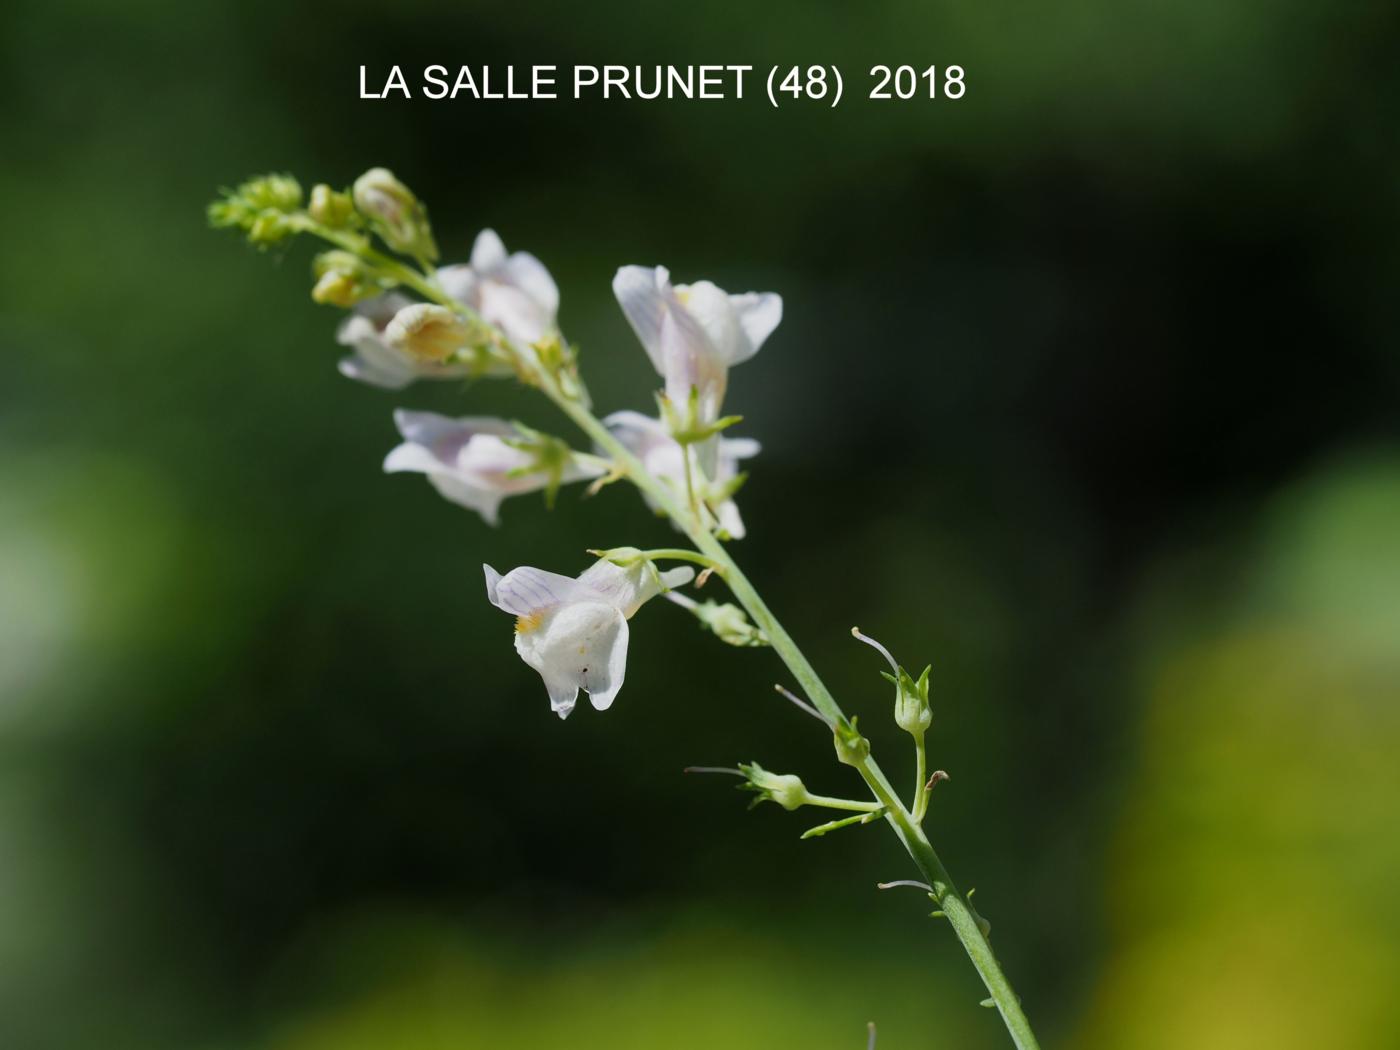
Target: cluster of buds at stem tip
264 207
394 213
911 707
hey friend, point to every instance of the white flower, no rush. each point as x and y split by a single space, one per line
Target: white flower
694 333
664 458
469 461
574 632
376 360
514 292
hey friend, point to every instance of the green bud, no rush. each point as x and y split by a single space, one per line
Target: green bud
272 192
264 208
852 749
343 279
331 208
395 213
785 789
269 228
729 623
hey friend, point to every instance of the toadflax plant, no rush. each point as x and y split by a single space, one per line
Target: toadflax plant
496 316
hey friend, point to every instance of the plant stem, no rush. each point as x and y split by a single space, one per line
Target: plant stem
827 802
958 912
681 554
920 772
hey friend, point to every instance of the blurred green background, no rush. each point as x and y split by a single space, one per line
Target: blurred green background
1086 393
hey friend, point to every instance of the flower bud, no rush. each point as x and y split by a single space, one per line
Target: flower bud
343 279
269 228
277 192
331 208
395 213
263 208
428 332
785 789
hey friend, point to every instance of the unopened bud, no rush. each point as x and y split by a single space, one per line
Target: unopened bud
263 208
786 789
337 289
395 213
269 228
277 192
428 332
343 279
331 208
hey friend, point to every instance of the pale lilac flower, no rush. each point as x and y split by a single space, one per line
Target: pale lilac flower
470 461
574 631
694 333
514 292
376 360
664 458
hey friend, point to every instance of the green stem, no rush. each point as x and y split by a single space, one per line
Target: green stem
954 907
827 802
920 775
681 554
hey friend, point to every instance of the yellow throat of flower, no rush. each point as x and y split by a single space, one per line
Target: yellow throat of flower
529 622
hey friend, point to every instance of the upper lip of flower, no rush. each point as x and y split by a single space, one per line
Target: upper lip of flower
703 319
514 291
